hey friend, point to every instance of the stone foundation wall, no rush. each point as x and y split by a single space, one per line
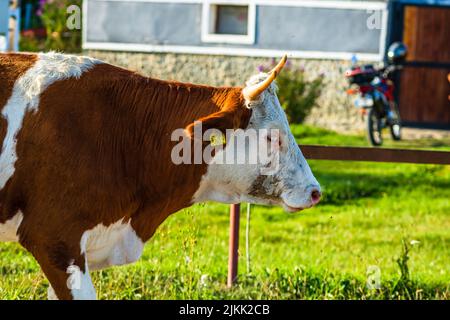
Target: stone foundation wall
334 111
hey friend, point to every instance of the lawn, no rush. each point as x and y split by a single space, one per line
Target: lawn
393 218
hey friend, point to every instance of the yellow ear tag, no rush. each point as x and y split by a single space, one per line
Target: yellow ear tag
217 140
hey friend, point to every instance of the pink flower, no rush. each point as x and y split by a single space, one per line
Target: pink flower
288 64
40 10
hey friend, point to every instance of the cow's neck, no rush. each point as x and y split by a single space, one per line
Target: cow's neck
159 108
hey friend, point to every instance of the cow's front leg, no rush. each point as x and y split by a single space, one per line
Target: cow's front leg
66 270
79 283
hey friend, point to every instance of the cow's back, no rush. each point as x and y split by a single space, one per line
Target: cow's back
24 79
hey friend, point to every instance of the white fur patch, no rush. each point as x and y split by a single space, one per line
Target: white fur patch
51 295
8 230
49 68
116 244
87 290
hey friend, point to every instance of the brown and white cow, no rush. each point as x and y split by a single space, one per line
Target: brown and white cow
86 174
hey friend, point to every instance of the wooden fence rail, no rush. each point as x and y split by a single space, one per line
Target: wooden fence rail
340 154
375 154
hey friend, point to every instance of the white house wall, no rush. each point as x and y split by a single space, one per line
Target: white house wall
316 29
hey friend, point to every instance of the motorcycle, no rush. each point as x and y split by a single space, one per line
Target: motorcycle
375 89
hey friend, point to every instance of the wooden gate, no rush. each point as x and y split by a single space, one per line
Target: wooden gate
423 86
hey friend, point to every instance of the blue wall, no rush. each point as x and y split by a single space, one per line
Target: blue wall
4 9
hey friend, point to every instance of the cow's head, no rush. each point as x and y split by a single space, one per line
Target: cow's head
280 176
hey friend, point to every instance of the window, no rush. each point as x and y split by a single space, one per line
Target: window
230 21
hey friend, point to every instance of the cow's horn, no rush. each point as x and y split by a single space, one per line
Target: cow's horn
253 92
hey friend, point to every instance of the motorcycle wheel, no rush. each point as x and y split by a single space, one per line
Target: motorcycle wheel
395 125
374 128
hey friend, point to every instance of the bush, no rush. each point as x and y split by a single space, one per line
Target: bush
30 43
54 17
297 95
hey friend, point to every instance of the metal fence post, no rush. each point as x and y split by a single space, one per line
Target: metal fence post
233 244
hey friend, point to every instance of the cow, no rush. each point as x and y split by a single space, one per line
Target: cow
86 168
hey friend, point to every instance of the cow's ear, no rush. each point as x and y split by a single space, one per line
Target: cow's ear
212 124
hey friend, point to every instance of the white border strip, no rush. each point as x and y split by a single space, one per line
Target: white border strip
359 5
383 33
84 23
250 52
344 4
155 1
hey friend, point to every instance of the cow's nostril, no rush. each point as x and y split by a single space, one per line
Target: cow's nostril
315 196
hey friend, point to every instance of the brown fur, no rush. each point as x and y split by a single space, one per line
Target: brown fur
12 66
98 150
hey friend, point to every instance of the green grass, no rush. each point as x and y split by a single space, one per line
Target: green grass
369 213
314 135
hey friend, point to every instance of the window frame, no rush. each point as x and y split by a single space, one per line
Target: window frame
207 19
